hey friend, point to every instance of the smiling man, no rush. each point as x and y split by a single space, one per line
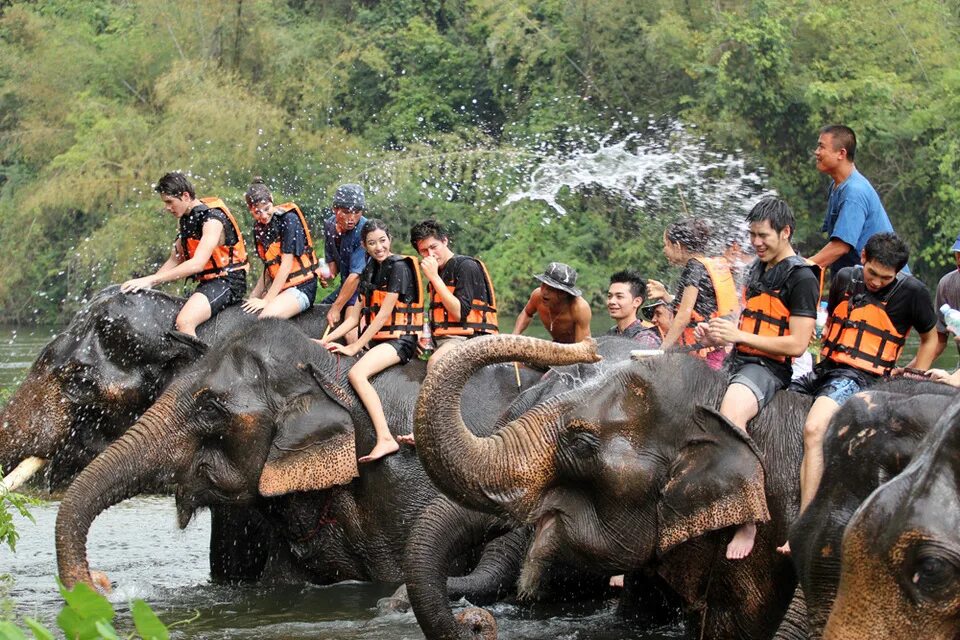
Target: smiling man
872 309
209 248
782 293
344 253
624 299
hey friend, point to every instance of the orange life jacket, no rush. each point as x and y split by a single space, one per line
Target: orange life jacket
225 258
480 320
726 293
406 319
859 333
304 266
764 313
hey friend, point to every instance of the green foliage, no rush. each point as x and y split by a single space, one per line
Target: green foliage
10 503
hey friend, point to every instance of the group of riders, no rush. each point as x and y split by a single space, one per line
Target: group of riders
750 319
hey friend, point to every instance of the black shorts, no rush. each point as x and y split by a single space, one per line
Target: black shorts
405 346
222 292
308 289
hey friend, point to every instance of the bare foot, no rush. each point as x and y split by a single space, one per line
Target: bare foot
407 438
616 581
384 448
742 543
784 548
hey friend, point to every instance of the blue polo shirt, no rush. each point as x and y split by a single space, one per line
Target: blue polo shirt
854 213
346 251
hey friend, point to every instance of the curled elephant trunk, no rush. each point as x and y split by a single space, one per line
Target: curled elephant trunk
506 472
148 453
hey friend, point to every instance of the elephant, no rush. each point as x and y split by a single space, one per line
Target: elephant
900 559
634 471
97 376
870 440
268 425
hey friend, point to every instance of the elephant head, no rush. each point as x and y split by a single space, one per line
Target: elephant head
92 381
610 474
900 567
265 414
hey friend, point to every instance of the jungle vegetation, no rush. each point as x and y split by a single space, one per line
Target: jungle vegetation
441 108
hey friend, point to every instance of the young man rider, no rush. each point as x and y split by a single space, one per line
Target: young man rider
782 293
344 252
209 248
872 309
462 300
562 310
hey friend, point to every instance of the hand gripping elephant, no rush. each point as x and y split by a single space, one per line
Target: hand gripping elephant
632 471
98 375
269 423
900 575
873 436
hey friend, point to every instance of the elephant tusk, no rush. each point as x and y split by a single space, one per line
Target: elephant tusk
23 472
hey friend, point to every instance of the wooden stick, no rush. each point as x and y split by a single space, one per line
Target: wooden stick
326 332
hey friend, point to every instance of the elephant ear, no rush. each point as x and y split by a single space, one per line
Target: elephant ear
180 349
314 448
716 480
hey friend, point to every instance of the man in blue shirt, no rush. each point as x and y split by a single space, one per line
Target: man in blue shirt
344 252
854 210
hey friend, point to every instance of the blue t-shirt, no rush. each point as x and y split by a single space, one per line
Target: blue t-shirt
854 213
346 251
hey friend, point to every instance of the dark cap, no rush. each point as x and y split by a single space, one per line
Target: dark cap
646 311
349 196
560 276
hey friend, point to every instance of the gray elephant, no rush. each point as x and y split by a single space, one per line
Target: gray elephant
269 424
871 439
633 471
98 375
900 567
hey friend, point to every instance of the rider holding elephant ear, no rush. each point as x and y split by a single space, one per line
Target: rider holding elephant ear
288 284
209 248
782 292
391 302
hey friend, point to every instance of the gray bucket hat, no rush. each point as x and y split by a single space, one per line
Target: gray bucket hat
349 196
560 276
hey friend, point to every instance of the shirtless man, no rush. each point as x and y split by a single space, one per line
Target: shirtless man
562 310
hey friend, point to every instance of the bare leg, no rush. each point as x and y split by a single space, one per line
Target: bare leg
811 467
740 405
194 312
374 361
285 305
440 351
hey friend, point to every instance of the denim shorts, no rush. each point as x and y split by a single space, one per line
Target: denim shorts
832 384
305 294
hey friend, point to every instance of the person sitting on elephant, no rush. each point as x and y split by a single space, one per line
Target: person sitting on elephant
776 325
871 310
209 248
624 298
462 301
343 248
560 305
288 284
706 289
391 302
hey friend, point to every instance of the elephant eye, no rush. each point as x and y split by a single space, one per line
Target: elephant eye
933 575
210 408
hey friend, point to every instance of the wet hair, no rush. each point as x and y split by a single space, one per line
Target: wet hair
174 184
843 138
258 192
888 249
693 234
373 225
628 276
427 229
775 211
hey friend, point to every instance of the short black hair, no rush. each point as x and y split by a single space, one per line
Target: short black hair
775 211
258 192
843 138
174 184
638 285
888 249
427 229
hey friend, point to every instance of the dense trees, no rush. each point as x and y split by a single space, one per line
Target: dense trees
444 107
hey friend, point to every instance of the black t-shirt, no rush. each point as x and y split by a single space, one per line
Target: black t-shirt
191 225
286 227
393 275
466 276
695 275
909 306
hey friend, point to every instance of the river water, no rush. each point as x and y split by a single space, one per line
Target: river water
137 544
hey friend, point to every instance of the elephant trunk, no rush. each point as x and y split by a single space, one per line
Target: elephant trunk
150 452
506 472
443 532
794 623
